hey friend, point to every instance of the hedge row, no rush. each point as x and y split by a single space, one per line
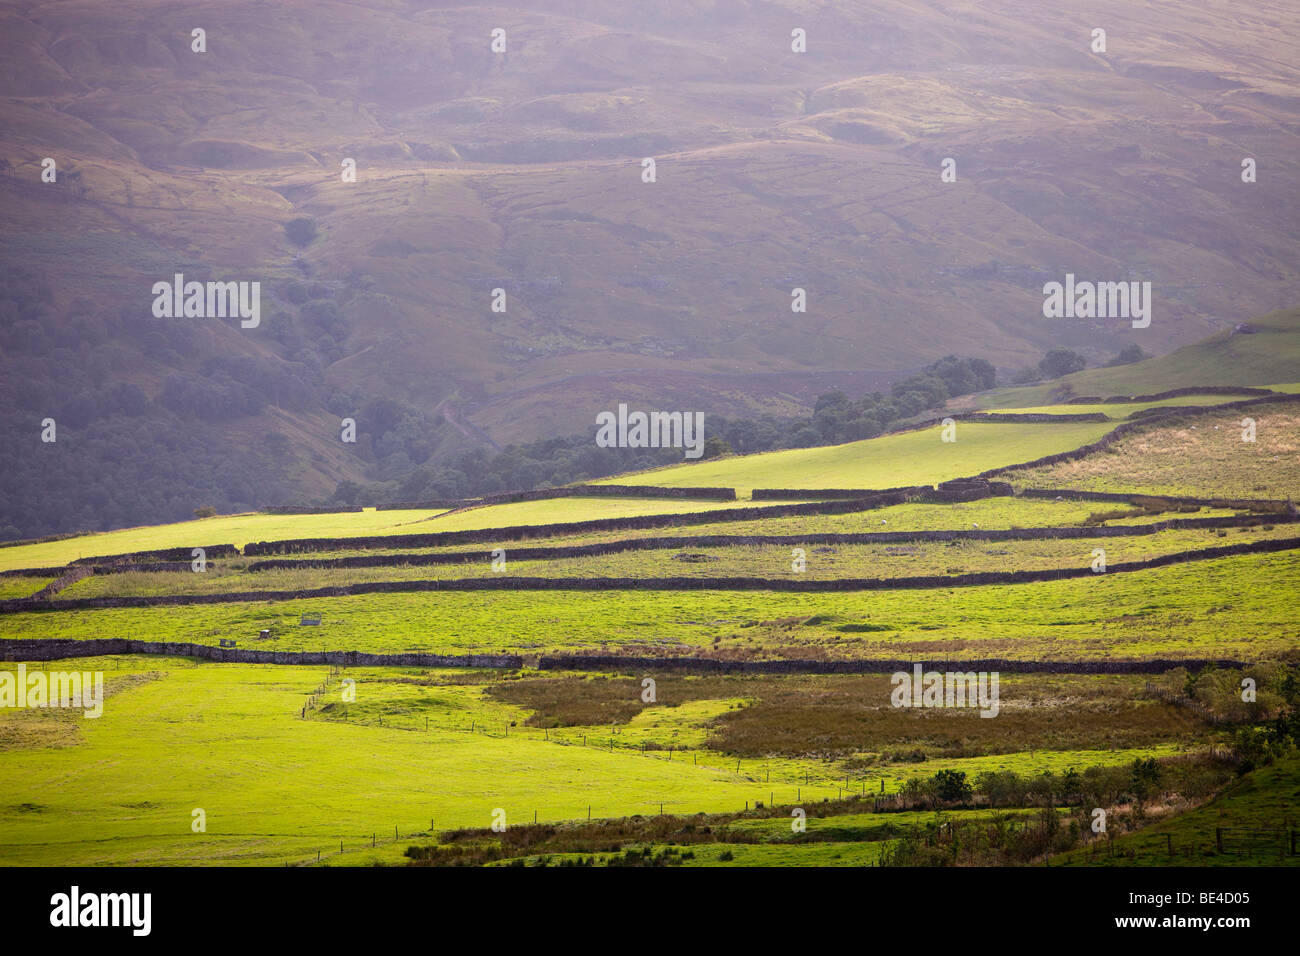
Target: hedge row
25 649
523 532
746 540
657 584
624 663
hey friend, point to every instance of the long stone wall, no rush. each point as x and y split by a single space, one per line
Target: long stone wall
793 540
1272 505
625 663
813 494
50 650
1172 393
795 585
182 553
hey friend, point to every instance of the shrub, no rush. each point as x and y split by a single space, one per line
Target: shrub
301 231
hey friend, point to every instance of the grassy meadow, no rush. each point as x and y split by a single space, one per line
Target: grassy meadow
276 786
1198 609
396 765
222 529
1203 455
906 458
820 562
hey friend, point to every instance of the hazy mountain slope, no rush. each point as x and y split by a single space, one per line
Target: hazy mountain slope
522 171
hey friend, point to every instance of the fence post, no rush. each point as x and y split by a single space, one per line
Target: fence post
1218 838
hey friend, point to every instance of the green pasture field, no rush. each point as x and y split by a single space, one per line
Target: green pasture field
906 458
550 510
242 529
1001 512
988 513
223 529
1202 455
229 739
822 562
1239 607
287 765
20 587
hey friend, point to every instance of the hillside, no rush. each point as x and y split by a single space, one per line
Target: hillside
522 171
1264 353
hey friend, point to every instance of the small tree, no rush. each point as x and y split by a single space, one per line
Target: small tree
206 511
715 447
1290 688
1071 785
1129 355
1145 780
300 231
951 785
1058 362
